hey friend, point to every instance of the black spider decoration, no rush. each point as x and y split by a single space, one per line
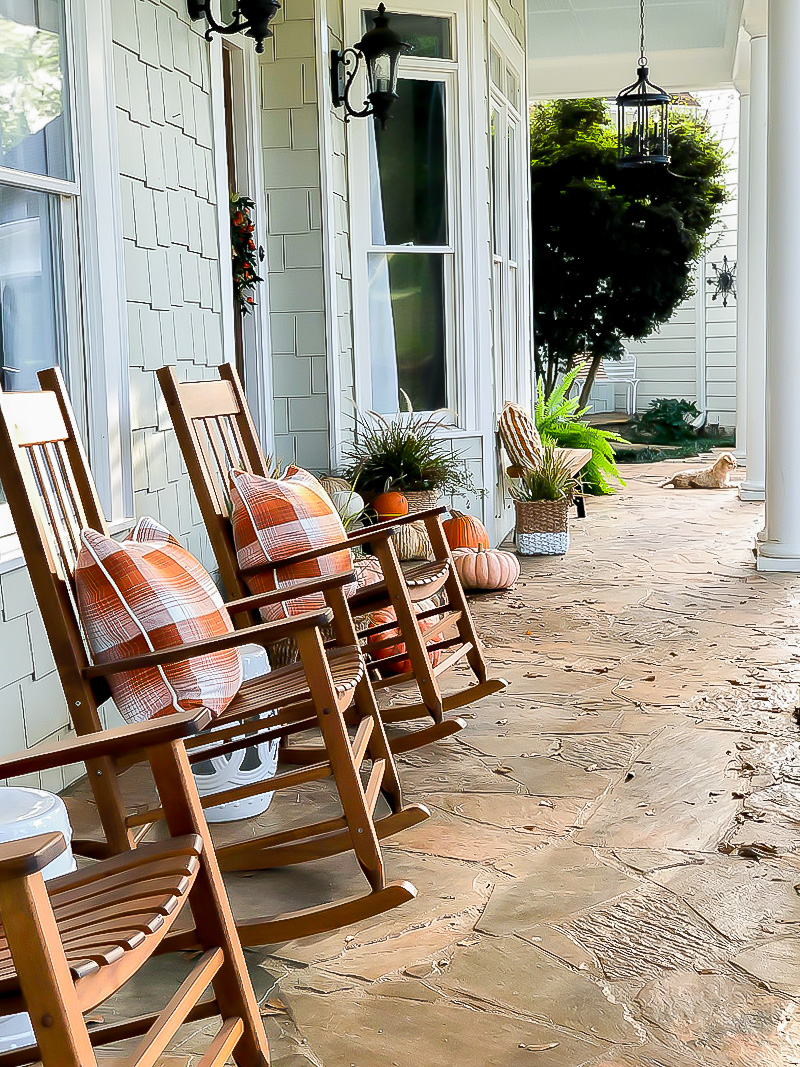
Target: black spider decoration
724 280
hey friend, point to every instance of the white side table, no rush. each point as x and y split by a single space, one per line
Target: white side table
27 813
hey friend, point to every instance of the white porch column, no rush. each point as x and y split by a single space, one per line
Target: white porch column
780 548
743 188
756 269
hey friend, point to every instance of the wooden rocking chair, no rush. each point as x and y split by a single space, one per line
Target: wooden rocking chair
67 946
216 433
52 497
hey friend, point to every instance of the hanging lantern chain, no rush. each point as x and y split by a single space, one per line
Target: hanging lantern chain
642 52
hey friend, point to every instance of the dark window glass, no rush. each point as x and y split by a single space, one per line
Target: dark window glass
430 37
409 198
407 330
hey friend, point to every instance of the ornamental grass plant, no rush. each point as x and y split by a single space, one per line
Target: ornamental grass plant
550 481
406 454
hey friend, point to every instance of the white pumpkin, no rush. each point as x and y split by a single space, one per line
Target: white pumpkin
486 569
348 503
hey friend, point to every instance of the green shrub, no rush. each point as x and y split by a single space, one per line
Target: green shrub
667 422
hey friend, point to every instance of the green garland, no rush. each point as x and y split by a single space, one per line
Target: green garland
243 250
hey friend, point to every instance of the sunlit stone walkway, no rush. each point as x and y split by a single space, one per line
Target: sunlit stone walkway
611 875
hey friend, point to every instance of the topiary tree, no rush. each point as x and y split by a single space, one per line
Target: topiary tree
614 249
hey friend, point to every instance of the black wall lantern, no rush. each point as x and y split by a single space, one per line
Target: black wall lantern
251 16
642 118
381 49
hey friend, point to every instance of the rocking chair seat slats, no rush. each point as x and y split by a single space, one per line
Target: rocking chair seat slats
93 946
69 944
288 685
423 582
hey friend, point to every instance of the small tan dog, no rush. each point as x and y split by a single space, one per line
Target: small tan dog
716 477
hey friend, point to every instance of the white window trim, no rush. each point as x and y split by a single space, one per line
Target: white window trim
461 206
96 322
504 42
258 373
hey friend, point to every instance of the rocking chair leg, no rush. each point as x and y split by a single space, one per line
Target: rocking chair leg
104 781
365 705
410 629
340 753
214 922
44 974
455 594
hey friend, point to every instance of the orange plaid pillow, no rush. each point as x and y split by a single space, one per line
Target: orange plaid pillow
149 593
274 518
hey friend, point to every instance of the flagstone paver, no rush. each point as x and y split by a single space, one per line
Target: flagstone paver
611 873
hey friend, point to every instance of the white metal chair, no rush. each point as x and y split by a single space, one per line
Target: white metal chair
623 372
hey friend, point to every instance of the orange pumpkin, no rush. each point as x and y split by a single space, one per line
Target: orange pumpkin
465 531
386 615
390 506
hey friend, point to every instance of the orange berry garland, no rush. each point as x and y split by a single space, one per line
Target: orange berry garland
243 252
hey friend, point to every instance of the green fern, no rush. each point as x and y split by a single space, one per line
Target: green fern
559 417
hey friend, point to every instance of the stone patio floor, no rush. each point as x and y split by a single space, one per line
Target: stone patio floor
611 873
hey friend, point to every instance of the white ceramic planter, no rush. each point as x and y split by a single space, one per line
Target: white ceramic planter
245 767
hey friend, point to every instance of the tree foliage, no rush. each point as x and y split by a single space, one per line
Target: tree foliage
614 249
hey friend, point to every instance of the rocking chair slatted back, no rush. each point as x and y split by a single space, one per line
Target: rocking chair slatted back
215 433
52 497
49 508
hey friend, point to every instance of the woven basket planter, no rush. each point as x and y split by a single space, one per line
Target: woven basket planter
422 500
542 527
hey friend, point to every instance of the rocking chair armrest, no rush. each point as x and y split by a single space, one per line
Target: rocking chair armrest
289 592
29 855
266 633
405 520
108 743
361 538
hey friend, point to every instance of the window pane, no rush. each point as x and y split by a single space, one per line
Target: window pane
407 330
408 169
431 38
34 121
31 289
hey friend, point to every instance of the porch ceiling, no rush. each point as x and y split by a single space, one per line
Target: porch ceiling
589 47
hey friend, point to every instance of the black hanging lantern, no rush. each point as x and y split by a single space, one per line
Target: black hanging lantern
381 49
249 16
642 118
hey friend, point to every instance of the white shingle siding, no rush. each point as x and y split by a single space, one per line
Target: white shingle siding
290 143
172 287
171 248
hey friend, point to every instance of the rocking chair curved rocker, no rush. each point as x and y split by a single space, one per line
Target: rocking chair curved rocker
52 497
216 433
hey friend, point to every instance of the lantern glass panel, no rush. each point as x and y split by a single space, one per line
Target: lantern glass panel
381 74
